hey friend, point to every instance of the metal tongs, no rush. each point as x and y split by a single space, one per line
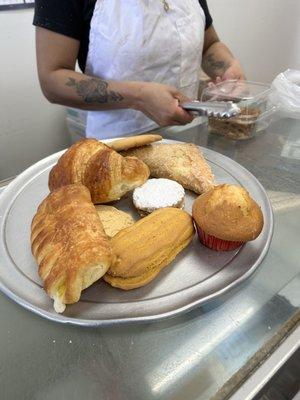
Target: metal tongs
217 109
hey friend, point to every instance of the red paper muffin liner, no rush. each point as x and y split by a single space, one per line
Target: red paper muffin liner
216 244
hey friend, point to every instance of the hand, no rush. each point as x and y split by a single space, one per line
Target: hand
161 103
234 72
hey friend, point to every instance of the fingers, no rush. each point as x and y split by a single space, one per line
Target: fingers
177 116
161 103
182 98
182 116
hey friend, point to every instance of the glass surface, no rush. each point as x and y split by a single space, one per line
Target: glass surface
190 357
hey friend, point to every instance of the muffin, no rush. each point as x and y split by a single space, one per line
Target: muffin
226 217
156 194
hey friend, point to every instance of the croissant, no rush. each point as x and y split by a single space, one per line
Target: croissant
183 163
69 244
107 174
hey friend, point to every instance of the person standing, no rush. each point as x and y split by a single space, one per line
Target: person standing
139 60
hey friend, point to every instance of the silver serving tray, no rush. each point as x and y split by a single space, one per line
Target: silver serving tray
196 276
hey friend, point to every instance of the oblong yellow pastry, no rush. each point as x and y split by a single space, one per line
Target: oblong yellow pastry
145 248
69 244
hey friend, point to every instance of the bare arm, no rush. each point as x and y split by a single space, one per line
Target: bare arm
218 62
61 84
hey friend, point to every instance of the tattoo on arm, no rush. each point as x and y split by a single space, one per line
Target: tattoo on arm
213 66
94 90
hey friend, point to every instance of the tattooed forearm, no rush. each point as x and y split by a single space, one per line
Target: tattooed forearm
94 90
214 67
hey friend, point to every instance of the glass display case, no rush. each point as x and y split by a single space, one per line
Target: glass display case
207 353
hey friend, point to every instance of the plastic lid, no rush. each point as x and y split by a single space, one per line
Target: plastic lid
236 91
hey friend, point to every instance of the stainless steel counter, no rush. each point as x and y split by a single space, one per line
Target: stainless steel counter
204 354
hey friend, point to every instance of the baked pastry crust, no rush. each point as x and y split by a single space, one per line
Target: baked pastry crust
134 141
229 213
69 244
106 173
144 213
113 220
183 163
144 249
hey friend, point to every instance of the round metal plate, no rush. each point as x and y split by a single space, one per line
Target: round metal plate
196 276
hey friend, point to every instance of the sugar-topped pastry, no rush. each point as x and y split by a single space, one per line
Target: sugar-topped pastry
156 194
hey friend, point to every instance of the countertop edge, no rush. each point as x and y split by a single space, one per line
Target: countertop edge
255 362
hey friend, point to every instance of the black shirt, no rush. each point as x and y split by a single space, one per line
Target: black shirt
72 18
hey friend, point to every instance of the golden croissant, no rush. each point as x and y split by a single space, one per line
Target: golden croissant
142 250
69 244
183 163
107 174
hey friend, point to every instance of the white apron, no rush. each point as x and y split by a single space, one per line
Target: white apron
139 40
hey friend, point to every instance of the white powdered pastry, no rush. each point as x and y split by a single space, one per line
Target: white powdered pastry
158 193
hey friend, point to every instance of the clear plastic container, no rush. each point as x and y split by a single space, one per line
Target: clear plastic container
257 111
